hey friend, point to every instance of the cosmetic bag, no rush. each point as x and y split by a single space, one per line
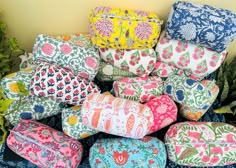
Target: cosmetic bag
138 89
72 124
116 116
194 113
123 28
164 112
201 24
126 152
53 81
109 72
81 61
26 61
32 107
9 83
44 146
140 62
196 59
201 144
187 91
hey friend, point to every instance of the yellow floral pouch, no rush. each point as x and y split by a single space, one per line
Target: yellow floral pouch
124 29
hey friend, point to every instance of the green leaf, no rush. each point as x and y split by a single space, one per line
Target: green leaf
22 88
4 104
225 90
223 109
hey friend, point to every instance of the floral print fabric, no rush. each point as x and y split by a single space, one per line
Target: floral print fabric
80 60
123 29
109 72
196 59
187 91
126 152
138 89
201 24
164 112
195 113
72 123
44 146
116 116
140 62
9 83
59 83
201 143
26 61
32 107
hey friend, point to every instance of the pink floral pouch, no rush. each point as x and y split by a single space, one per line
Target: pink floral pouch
140 62
81 61
116 116
201 144
59 83
196 59
138 89
164 112
44 146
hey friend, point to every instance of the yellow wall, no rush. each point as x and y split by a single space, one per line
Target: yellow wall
28 18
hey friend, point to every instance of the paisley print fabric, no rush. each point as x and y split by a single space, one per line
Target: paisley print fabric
44 146
164 112
32 107
59 83
196 59
72 124
140 62
201 144
109 72
116 116
9 83
123 28
80 60
201 24
125 152
138 89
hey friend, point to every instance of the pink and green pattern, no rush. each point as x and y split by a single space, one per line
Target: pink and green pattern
201 144
196 59
138 89
44 146
80 60
164 112
26 61
53 81
126 152
140 62
116 116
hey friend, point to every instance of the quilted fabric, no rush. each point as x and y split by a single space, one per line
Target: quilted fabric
164 70
138 89
196 59
80 60
201 143
56 82
44 146
72 123
32 107
9 83
201 24
140 62
109 72
116 116
195 113
188 92
124 152
123 28
164 112
79 39
26 61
